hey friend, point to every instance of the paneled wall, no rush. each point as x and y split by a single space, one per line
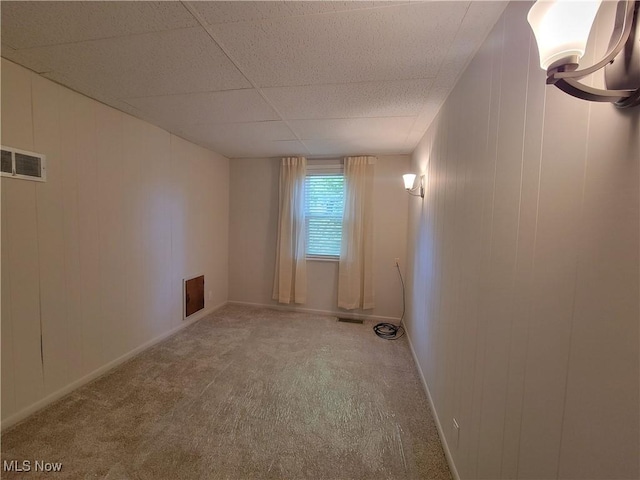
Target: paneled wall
524 303
253 236
93 259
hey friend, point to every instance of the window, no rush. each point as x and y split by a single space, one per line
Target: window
324 206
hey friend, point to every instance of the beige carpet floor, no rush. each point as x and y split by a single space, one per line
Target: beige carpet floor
245 393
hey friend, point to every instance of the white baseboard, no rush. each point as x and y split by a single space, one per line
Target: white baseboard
443 439
44 402
335 313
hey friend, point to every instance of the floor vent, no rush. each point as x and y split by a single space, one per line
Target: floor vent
351 320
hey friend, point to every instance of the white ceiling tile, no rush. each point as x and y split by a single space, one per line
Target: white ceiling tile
373 99
356 146
347 77
133 111
392 129
7 51
431 107
260 149
22 57
413 139
29 24
400 42
476 24
243 133
176 61
212 107
241 11
321 7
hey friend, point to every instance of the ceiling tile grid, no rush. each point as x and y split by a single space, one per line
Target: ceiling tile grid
158 63
36 24
345 128
399 42
257 149
475 26
229 106
349 100
242 131
257 79
356 146
231 12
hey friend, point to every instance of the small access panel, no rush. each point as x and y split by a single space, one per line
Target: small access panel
193 295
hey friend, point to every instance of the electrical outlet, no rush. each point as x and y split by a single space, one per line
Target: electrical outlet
396 261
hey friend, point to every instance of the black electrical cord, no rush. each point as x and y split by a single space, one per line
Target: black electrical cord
389 331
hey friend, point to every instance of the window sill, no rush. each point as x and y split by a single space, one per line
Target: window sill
320 258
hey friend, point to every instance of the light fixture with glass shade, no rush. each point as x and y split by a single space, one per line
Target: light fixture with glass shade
562 28
409 180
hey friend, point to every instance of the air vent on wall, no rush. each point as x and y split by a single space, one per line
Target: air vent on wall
7 162
22 164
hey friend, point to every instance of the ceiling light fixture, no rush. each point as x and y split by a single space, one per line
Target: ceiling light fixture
409 180
561 29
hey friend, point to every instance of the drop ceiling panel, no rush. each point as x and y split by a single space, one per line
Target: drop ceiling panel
159 63
244 133
371 99
21 57
92 92
366 145
412 140
344 128
437 96
258 149
31 24
475 26
398 42
213 107
345 77
231 12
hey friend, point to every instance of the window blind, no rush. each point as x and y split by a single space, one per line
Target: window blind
324 206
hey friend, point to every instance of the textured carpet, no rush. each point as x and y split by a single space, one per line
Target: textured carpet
246 393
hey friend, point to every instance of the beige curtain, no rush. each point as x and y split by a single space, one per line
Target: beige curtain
355 280
290 281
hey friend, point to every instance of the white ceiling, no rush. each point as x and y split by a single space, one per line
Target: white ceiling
256 79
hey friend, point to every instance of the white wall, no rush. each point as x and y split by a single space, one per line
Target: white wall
253 234
525 297
94 258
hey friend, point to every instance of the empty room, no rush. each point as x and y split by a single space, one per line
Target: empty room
320 240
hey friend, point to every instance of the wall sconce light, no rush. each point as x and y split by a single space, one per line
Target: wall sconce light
561 29
409 180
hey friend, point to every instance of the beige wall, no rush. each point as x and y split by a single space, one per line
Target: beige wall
253 233
525 292
93 259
